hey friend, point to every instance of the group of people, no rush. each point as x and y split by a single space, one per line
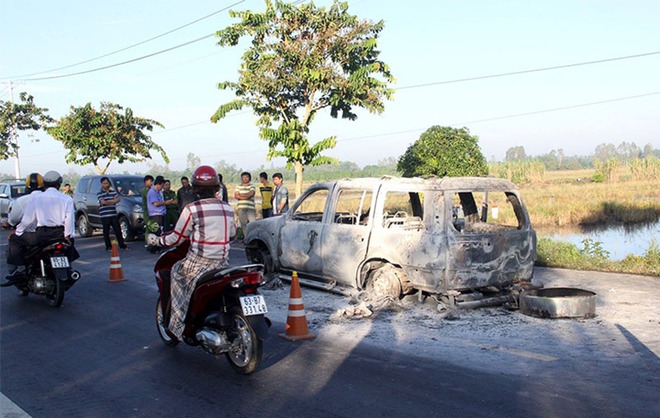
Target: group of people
274 201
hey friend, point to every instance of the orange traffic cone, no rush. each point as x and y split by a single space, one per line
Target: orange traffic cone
296 322
116 273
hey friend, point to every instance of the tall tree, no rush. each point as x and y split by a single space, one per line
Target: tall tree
444 151
21 116
102 136
303 59
515 154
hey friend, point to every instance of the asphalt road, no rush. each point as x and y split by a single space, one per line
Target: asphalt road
99 355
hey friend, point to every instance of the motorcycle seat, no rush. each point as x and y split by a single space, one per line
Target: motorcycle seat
228 271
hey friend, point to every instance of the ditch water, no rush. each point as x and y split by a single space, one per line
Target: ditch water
619 241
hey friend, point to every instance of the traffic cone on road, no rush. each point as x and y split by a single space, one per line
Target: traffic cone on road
116 273
296 322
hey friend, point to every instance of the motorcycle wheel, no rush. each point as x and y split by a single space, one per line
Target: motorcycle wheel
55 299
164 333
246 356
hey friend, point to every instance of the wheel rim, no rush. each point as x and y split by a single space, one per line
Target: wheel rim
242 353
385 284
82 226
123 226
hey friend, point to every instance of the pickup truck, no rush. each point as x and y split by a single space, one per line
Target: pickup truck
462 239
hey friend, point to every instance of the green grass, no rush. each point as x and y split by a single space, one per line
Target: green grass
593 257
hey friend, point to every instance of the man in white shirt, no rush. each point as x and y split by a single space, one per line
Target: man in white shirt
51 214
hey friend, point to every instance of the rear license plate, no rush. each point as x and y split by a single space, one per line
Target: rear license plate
253 305
59 262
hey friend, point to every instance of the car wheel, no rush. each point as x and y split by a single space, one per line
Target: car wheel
126 230
84 229
385 283
261 255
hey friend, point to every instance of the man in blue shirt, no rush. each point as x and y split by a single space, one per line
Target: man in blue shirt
156 205
108 199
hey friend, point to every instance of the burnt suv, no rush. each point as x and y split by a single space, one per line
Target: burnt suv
130 211
461 239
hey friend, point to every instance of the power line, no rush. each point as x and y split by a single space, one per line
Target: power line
120 63
130 46
535 70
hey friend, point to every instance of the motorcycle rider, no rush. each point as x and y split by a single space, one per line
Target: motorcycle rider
209 225
51 215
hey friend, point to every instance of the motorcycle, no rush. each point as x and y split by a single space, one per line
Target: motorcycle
48 272
226 314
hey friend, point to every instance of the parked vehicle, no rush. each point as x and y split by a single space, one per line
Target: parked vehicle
226 314
130 211
48 272
10 191
394 236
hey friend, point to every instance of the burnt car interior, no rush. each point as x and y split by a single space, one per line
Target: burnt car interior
498 211
403 210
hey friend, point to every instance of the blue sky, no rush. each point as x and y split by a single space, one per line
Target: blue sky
423 42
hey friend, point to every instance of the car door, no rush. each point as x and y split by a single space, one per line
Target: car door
346 233
92 201
4 200
300 235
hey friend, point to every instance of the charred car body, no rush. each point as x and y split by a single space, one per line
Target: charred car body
462 239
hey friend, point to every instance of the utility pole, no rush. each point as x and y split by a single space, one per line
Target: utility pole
14 136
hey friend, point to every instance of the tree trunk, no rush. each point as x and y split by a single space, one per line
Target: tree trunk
299 177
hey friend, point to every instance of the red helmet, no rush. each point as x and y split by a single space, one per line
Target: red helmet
205 176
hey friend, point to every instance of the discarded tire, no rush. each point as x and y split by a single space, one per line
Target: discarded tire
558 302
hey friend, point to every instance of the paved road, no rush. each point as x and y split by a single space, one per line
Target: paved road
100 356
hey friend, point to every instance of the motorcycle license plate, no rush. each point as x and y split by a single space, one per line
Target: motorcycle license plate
253 305
59 262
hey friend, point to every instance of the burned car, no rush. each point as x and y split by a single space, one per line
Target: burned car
461 239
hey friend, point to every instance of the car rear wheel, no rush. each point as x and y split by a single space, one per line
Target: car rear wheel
386 283
84 229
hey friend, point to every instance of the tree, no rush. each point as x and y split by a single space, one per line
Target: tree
303 59
19 116
515 154
444 151
109 134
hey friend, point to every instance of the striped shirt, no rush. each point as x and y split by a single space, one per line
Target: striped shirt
248 203
107 211
208 224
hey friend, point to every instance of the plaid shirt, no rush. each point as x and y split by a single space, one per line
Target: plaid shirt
209 224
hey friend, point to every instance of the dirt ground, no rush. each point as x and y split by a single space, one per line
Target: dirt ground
624 333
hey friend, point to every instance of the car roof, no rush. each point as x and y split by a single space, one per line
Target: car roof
14 183
432 183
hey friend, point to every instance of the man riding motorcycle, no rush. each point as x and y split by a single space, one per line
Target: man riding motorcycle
48 215
209 225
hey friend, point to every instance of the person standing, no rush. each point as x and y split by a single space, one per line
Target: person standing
108 199
222 192
67 190
148 182
185 194
209 225
156 204
280 195
266 190
172 208
245 195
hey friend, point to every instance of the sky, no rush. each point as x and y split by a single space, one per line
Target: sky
427 44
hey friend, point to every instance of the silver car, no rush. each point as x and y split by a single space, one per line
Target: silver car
460 238
10 191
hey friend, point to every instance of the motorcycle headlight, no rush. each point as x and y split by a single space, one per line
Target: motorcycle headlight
137 208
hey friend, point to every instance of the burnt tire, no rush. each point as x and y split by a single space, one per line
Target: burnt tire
558 302
386 282
261 256
245 356
83 226
168 338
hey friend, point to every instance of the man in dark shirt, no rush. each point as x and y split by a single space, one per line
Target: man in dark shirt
108 200
185 194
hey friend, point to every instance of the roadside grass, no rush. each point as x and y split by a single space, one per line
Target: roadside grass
593 257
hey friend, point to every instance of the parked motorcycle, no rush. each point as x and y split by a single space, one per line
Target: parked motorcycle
48 272
226 314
